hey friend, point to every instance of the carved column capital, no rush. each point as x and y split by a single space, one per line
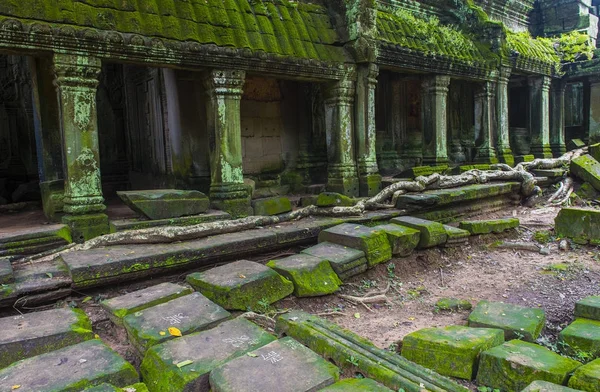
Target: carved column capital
541 82
225 82
340 92
76 70
436 84
504 75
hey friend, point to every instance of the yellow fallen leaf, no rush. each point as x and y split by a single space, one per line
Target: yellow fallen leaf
162 333
242 276
174 331
411 318
16 387
96 336
356 315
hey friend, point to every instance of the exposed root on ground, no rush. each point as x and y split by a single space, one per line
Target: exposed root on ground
371 298
519 246
563 193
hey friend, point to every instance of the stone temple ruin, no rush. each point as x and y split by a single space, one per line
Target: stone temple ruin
142 137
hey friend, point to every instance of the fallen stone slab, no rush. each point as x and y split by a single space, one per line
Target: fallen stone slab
241 285
184 364
574 144
489 226
373 243
37 333
545 386
588 169
345 261
432 233
516 364
587 377
119 307
453 304
456 236
283 365
332 199
356 385
311 276
6 271
587 191
338 345
451 351
516 321
581 337
402 239
190 313
582 225
272 206
588 308
594 151
73 368
137 224
165 203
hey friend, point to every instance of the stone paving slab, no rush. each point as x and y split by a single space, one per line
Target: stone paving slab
311 276
451 351
516 364
589 308
582 336
36 333
283 365
241 285
205 351
373 243
136 224
343 259
496 226
587 377
432 233
165 203
356 385
403 240
119 307
6 271
70 369
516 321
545 386
272 205
190 313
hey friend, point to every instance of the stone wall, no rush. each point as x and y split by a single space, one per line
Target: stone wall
556 17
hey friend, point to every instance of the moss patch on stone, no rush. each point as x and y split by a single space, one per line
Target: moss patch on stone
588 169
271 206
589 308
356 385
332 199
374 243
581 339
311 276
453 304
545 386
587 377
403 240
432 233
516 321
489 226
580 224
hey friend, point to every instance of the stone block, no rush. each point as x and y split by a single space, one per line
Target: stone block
73 368
241 285
283 365
312 276
373 243
545 386
489 226
589 308
432 233
594 151
165 203
516 321
587 191
582 336
332 199
6 271
587 377
161 368
451 351
271 206
344 261
190 313
574 144
453 304
456 236
514 365
36 333
580 224
403 240
588 169
356 385
119 307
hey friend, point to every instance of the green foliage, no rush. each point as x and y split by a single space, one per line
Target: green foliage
575 46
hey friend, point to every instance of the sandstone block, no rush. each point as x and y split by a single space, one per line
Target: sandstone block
374 243
516 321
312 276
403 240
165 203
345 261
489 226
271 206
432 233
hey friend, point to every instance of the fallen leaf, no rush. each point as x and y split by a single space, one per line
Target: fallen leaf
356 315
175 331
96 336
184 363
411 318
162 333
15 387
242 276
86 299
252 355
49 274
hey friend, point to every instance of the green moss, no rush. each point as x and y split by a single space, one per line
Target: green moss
271 206
581 339
310 275
453 304
587 377
542 236
489 226
332 199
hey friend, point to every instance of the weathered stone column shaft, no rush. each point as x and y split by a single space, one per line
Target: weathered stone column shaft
434 117
502 121
485 99
594 117
557 118
539 98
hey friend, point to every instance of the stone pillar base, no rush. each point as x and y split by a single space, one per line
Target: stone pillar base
505 155
237 208
85 227
347 186
543 151
53 193
558 149
524 158
435 161
486 155
369 184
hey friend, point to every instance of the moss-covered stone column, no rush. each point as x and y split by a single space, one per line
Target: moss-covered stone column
557 118
77 82
339 123
539 116
594 118
368 172
435 121
227 189
484 99
505 154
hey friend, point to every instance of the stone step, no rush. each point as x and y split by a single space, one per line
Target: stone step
338 345
587 377
432 233
162 368
516 364
345 261
37 333
119 307
241 285
516 321
136 224
73 368
165 203
283 365
373 243
474 208
496 226
311 276
190 313
33 240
